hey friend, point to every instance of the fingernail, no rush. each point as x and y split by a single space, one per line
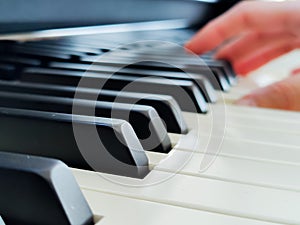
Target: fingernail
295 72
246 102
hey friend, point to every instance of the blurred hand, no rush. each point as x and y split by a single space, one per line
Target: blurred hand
284 94
251 34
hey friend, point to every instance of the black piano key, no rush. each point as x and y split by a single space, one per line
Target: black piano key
63 47
20 61
180 58
37 190
214 75
161 55
186 93
7 71
84 142
5 46
223 66
201 81
165 105
11 66
219 81
17 49
178 55
233 78
102 45
144 119
44 55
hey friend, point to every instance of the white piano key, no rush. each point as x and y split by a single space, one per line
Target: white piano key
247 150
273 137
249 134
246 86
115 210
238 117
270 114
244 143
155 158
229 97
236 170
218 128
247 201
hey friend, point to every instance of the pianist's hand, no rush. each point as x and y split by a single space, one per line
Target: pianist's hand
251 34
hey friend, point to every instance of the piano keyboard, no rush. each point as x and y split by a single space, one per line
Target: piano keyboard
212 162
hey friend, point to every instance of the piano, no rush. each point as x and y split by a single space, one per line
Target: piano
106 120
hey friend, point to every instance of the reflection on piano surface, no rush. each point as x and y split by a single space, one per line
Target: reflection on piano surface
165 124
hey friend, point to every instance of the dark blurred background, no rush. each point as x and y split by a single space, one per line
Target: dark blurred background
20 15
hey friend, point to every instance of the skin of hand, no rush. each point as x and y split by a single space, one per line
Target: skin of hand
251 34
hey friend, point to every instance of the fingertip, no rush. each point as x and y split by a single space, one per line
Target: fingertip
241 71
193 46
219 55
246 101
187 44
188 47
282 95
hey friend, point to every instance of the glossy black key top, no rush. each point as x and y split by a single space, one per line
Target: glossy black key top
62 47
186 93
165 105
104 145
223 66
215 76
144 119
41 54
20 61
180 55
37 190
181 60
201 81
7 71
35 53
233 78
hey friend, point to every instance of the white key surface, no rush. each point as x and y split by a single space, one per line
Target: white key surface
123 210
240 200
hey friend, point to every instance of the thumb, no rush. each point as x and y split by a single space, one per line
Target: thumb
284 94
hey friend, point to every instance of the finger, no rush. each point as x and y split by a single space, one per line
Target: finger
260 57
244 17
295 72
281 95
251 42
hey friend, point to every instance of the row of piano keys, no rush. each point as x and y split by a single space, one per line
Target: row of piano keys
252 180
